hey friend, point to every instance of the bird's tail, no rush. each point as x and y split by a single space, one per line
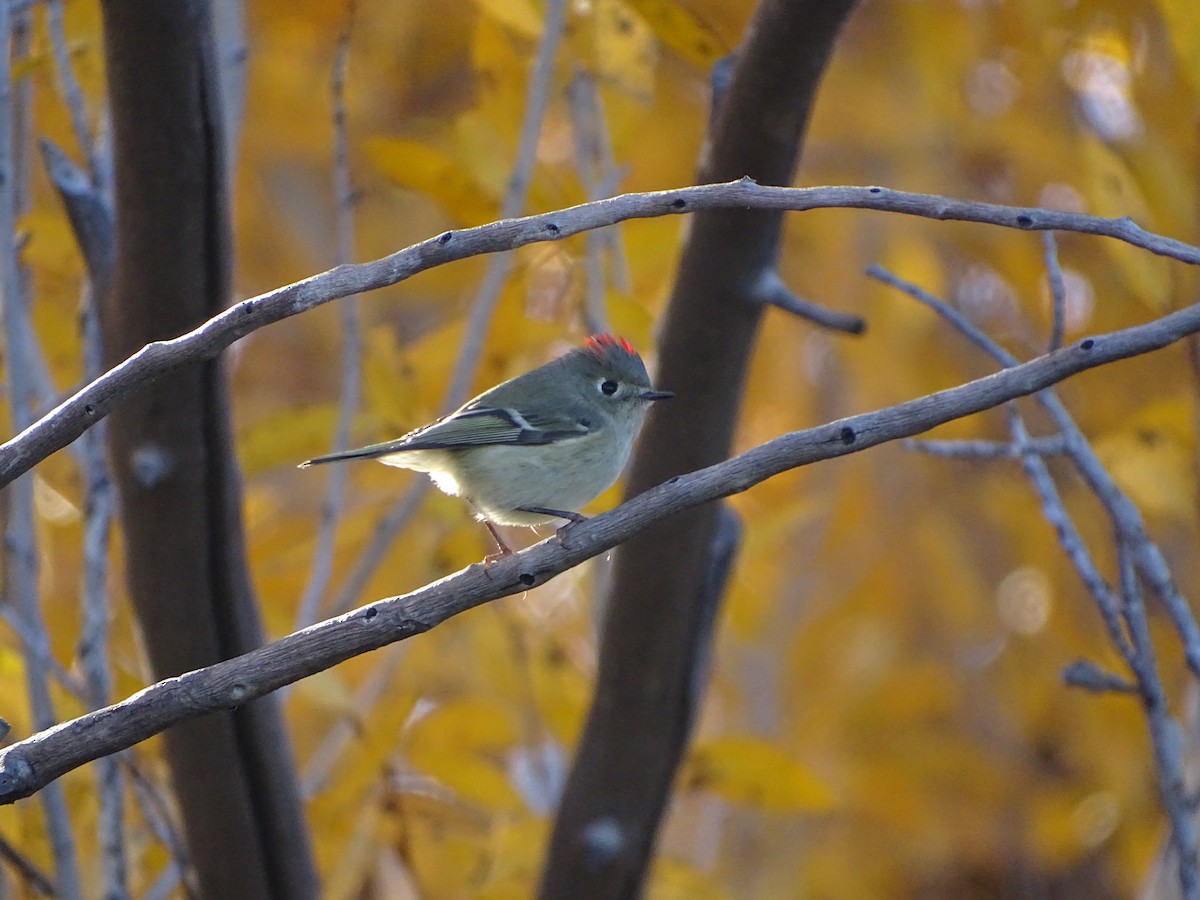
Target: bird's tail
373 451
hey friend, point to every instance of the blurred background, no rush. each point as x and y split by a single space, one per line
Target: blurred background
886 715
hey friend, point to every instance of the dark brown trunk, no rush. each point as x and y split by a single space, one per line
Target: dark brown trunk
172 453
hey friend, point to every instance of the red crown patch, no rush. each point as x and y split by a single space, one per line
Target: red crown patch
600 344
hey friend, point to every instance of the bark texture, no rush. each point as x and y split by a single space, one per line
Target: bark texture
172 453
667 582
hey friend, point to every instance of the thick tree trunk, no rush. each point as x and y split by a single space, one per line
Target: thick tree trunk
667 582
172 452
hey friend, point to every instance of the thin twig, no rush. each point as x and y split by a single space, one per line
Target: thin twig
771 289
89 209
1058 289
1131 528
1055 512
608 175
954 316
31 646
158 816
29 872
537 100
585 124
92 402
29 765
165 886
21 561
96 235
984 449
351 389
41 382
1133 640
1166 736
100 506
1088 676
72 94
19 7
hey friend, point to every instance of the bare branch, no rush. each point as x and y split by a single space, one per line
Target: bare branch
982 449
1058 289
351 391
598 169
590 145
72 93
968 328
1086 675
29 765
89 211
771 289
1054 511
20 570
1125 515
32 875
34 646
1135 552
95 400
1166 736
158 816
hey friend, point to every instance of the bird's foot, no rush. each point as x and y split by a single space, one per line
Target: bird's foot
573 518
502 549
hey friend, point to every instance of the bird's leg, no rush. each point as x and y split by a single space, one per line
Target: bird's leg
503 549
573 518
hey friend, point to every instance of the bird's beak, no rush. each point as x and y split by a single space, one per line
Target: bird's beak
656 395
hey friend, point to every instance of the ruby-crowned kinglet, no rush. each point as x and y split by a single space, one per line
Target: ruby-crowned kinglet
535 448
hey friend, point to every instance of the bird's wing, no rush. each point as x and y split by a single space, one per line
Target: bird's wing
484 425
474 426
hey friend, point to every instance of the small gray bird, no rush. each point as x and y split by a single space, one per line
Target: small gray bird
537 447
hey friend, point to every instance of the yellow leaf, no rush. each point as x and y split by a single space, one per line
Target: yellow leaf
519 16
1183 30
428 171
516 846
389 387
1114 191
445 852
326 691
460 743
288 436
562 690
1150 457
26 66
673 880
469 723
755 772
682 30
625 47
1056 827
363 761
474 778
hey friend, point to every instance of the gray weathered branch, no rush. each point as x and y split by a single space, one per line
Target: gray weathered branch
97 399
29 765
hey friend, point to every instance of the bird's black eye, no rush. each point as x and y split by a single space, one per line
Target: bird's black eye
608 388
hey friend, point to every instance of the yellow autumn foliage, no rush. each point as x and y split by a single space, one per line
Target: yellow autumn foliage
885 715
